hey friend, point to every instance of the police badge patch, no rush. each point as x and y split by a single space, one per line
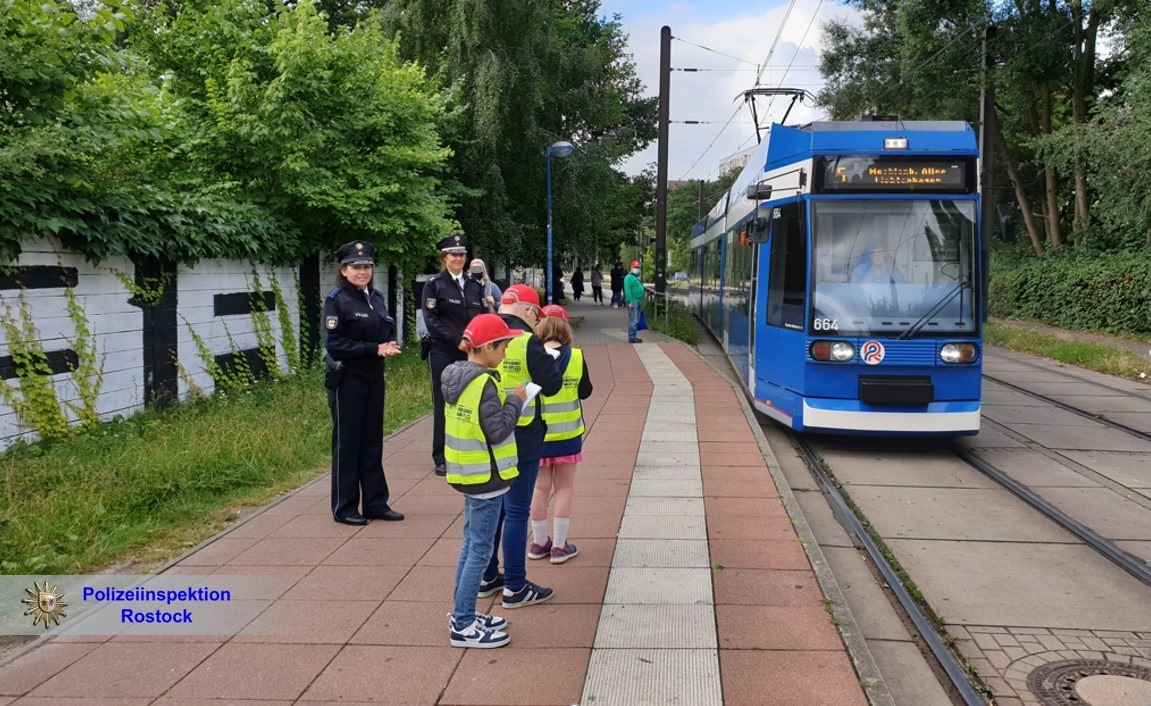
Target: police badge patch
430 304
331 322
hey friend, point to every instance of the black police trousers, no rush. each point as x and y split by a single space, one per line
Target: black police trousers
357 406
438 359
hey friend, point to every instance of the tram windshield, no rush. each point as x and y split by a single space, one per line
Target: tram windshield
890 267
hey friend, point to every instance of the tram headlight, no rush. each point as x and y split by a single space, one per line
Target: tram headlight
955 353
833 351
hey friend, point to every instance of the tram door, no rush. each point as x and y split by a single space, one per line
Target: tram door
779 350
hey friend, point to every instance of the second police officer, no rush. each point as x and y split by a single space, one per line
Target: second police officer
450 300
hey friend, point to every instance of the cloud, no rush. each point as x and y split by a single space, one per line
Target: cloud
728 42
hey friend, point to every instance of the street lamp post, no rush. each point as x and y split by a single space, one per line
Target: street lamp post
559 149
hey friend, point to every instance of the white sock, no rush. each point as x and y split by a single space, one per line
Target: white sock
540 532
560 525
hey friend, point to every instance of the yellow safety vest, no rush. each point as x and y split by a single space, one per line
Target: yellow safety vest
468 456
563 411
514 370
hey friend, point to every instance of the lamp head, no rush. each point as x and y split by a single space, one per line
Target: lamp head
561 149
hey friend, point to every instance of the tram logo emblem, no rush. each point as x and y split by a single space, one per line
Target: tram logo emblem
872 352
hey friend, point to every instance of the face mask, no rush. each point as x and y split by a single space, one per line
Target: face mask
635 271
477 275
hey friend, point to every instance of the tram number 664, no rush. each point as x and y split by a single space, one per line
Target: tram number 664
825 324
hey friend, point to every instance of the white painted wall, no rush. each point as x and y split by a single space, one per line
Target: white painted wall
117 325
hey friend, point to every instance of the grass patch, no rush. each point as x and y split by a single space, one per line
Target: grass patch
147 488
678 323
1094 356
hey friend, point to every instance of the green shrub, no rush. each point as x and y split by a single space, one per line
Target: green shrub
1074 289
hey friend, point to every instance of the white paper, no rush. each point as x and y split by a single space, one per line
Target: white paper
533 390
553 352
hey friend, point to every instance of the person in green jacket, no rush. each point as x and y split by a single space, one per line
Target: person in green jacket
633 298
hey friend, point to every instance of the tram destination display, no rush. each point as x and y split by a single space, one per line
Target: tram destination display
887 174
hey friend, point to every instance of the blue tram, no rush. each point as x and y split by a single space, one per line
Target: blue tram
841 273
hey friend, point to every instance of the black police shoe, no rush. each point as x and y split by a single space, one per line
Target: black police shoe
353 520
388 515
441 469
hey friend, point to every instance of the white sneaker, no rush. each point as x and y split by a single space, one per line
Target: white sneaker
476 635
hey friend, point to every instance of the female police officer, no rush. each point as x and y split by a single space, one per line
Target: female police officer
450 301
358 335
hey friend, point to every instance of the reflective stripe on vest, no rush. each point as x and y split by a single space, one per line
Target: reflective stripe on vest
563 411
514 370
467 455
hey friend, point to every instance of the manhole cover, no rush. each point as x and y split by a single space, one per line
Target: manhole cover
1054 683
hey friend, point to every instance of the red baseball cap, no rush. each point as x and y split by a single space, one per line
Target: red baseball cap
486 328
635 263
520 294
556 310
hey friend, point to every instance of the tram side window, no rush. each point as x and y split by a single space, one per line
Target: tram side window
787 271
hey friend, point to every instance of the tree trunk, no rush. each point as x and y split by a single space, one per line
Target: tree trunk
1020 193
1051 206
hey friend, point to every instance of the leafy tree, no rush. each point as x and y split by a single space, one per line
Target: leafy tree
520 76
329 131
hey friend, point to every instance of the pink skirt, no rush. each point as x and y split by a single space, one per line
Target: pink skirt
554 460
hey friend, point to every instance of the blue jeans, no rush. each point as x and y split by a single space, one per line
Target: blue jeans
480 520
518 507
633 309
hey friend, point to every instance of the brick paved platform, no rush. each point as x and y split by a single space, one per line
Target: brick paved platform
691 585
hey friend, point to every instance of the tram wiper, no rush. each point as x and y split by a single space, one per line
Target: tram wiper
915 327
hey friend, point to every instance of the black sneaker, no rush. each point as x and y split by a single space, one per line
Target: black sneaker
530 594
475 635
491 588
635 340
441 469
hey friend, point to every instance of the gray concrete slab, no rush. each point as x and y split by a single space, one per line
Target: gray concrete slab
1035 469
671 512
1104 510
1088 436
684 472
945 513
1127 468
1010 415
908 676
633 585
656 456
1139 549
670 553
990 437
657 626
627 677
1027 585
1063 389
667 487
873 612
893 468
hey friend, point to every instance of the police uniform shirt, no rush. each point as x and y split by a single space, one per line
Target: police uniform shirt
355 324
448 308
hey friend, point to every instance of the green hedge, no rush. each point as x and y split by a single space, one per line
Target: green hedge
1074 290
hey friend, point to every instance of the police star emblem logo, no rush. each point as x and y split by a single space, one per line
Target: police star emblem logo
331 322
45 602
430 304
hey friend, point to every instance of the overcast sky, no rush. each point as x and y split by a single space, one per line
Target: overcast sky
734 41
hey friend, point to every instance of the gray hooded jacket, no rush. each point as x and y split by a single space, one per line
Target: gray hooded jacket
498 421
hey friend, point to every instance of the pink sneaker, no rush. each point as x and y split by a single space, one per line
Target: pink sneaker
539 551
562 554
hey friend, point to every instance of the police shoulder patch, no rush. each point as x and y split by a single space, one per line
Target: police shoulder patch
429 303
331 321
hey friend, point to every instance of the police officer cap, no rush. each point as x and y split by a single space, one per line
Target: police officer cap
454 244
356 252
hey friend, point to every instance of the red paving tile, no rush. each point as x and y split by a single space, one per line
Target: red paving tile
788 678
387 674
256 671
766 627
31 669
512 675
127 670
766 587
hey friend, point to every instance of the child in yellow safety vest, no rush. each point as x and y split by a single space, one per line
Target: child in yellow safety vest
480 460
563 444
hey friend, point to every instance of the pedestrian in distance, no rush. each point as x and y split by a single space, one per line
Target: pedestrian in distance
617 274
492 292
450 300
596 278
359 334
577 283
526 360
633 297
563 443
557 286
481 463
